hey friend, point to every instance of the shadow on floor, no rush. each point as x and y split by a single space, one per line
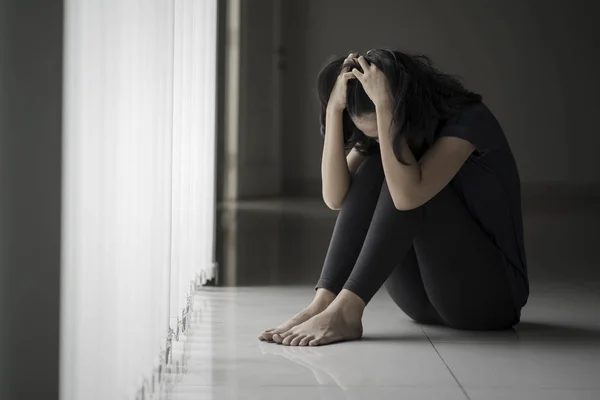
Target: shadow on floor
524 330
558 331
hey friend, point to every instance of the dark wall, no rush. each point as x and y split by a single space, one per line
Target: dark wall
30 191
535 62
220 98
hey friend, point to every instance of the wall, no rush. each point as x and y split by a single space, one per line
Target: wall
257 151
534 62
30 189
106 192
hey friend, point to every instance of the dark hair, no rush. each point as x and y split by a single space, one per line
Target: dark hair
423 98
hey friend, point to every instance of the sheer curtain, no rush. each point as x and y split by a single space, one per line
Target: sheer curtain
138 187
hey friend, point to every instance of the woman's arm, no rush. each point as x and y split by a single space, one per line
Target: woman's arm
415 184
410 185
336 168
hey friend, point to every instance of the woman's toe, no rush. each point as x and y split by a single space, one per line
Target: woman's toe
296 340
286 333
266 335
305 340
279 336
288 339
315 342
276 338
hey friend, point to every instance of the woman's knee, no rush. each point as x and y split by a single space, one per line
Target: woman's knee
420 311
365 187
370 168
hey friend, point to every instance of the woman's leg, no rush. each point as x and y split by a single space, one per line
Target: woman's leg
352 225
465 275
347 239
462 271
386 244
405 287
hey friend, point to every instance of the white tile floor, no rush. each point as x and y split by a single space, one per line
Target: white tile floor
553 354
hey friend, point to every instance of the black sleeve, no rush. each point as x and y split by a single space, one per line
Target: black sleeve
471 125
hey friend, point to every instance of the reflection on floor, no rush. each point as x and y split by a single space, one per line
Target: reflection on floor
273 252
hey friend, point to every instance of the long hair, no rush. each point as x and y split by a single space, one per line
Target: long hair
423 98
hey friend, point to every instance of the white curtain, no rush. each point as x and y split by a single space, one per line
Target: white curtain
138 186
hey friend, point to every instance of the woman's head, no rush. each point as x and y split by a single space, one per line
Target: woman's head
423 96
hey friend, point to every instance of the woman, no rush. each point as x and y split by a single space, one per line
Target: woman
429 200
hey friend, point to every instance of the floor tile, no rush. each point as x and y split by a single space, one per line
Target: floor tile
316 392
533 394
224 347
533 365
368 363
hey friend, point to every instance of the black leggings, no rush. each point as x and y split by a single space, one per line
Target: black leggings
436 262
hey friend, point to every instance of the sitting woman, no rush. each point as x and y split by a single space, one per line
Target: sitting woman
429 200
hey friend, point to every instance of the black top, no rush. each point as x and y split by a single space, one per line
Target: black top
489 184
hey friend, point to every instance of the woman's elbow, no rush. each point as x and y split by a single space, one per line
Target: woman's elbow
333 202
405 206
406 202
334 198
332 205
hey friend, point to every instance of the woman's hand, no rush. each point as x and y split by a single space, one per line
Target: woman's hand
337 99
375 83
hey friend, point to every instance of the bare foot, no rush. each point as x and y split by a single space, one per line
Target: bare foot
322 300
339 322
